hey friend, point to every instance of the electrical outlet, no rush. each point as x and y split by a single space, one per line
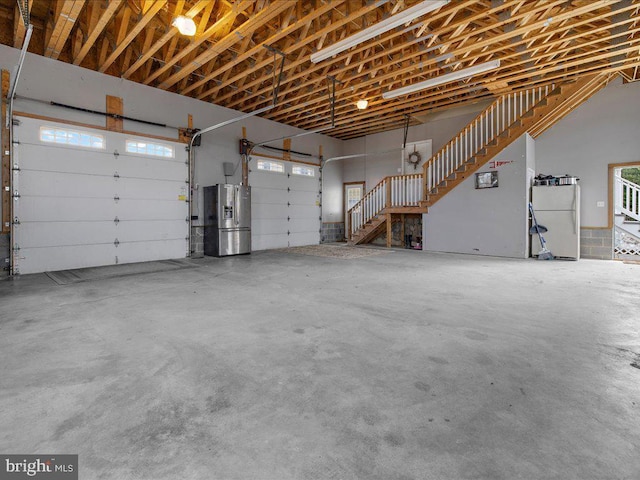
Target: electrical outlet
600 204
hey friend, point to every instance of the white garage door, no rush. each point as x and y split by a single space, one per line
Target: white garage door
285 204
121 201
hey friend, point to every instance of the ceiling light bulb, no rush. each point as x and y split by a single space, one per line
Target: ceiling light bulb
362 104
185 25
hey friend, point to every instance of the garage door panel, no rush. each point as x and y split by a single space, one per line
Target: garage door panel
35 260
298 239
303 198
50 158
129 209
267 211
69 209
131 252
70 197
48 184
269 226
144 167
304 211
285 209
266 242
268 195
268 180
304 225
51 234
308 185
140 230
145 189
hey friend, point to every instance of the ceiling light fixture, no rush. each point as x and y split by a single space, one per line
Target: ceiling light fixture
185 25
362 104
379 28
449 77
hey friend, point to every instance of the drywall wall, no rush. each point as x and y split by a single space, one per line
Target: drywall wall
490 221
603 130
49 80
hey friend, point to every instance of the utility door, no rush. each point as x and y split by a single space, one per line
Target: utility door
353 192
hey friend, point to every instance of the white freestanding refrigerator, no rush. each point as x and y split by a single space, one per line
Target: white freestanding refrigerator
558 209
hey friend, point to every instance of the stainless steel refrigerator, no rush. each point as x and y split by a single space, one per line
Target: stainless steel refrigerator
558 209
227 225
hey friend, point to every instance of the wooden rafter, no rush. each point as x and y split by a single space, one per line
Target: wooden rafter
66 13
97 29
247 28
538 42
152 10
305 21
228 16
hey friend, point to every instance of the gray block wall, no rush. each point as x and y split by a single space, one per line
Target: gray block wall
197 242
332 232
596 243
4 255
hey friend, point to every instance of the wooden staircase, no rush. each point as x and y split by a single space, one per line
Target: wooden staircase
498 126
385 204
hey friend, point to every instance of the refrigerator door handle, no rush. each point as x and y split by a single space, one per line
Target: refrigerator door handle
235 205
575 211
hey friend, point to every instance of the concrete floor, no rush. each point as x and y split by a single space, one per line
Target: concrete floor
277 366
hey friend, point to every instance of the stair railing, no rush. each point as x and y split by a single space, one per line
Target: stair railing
406 190
478 134
392 191
628 197
368 207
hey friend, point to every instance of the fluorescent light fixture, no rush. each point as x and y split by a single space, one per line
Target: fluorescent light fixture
379 28
449 77
185 25
362 104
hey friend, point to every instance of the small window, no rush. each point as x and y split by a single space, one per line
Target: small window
305 171
71 137
271 166
148 148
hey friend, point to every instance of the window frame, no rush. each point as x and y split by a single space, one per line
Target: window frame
305 167
68 133
127 141
275 162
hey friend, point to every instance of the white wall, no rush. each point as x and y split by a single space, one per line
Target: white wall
50 80
491 221
605 129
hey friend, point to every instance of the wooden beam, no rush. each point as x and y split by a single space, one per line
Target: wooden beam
5 171
94 33
152 10
67 12
305 21
114 107
170 34
389 230
247 28
300 44
209 32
